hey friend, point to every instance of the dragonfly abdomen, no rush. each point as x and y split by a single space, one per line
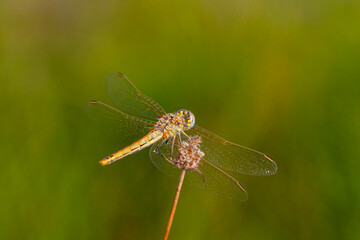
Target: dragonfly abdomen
144 142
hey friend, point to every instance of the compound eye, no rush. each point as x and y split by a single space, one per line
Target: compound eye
191 120
181 111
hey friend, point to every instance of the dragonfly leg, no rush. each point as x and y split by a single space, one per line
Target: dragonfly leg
202 175
172 146
170 160
156 149
185 134
167 141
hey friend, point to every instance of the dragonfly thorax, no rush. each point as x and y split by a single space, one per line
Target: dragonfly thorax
174 123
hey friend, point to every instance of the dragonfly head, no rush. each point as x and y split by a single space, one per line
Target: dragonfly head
188 117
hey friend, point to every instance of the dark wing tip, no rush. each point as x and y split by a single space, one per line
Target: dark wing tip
120 74
245 197
269 158
274 166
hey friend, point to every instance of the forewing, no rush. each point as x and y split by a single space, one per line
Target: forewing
130 100
216 181
117 125
233 157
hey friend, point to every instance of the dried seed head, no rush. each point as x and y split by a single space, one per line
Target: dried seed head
189 154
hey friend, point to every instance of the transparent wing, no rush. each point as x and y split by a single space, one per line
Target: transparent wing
216 181
117 125
130 100
233 157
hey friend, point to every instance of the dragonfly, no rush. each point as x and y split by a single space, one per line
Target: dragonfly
139 119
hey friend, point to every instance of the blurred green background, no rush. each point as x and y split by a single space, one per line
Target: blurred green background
282 77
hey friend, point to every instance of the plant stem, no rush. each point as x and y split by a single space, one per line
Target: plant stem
172 213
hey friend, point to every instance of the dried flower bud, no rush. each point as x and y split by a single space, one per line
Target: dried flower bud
189 154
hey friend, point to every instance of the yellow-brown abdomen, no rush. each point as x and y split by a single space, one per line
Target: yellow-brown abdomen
144 142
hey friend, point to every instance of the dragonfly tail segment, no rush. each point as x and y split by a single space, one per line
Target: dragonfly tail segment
144 142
